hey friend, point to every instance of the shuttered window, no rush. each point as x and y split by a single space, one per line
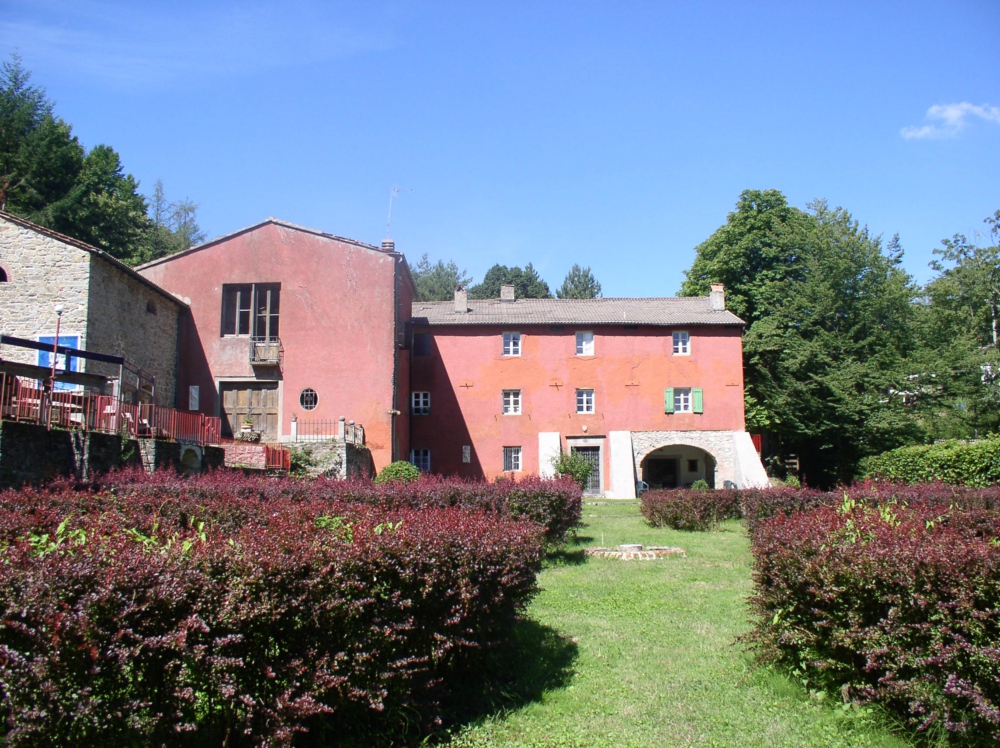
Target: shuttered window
683 400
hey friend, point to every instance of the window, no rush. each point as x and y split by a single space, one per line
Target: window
683 400
421 459
251 309
682 343
584 401
308 399
512 402
585 344
3 275
150 308
692 466
422 344
194 397
512 459
420 403
512 344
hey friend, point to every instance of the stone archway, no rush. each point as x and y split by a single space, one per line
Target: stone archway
713 449
677 466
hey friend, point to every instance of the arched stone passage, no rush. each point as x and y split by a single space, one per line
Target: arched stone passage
677 466
713 449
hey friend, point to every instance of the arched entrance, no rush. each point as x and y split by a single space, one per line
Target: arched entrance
677 466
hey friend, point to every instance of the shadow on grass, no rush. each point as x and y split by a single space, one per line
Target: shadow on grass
565 557
534 660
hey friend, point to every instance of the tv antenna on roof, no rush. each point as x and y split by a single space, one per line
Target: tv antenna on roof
392 193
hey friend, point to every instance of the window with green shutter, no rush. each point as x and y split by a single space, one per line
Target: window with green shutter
683 400
697 400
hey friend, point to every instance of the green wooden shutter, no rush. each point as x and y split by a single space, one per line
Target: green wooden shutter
668 400
697 400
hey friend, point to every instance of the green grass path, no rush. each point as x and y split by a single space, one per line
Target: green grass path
655 663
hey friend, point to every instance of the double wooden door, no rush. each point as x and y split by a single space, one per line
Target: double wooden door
257 401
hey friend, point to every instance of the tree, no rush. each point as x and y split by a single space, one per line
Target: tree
527 283
173 226
40 158
438 282
829 326
579 284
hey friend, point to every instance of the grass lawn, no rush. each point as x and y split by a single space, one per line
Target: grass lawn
641 653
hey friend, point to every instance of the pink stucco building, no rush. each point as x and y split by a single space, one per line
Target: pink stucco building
288 323
647 389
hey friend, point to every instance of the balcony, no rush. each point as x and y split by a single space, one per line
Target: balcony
266 351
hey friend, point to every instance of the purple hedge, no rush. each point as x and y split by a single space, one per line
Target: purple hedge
242 612
893 596
687 509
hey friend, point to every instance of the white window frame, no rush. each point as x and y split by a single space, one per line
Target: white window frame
682 343
420 403
511 402
683 400
421 459
512 344
585 343
512 460
585 401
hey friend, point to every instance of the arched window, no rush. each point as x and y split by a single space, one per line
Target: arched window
3 275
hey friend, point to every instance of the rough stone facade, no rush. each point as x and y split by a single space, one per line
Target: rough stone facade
42 272
336 459
719 444
108 307
128 318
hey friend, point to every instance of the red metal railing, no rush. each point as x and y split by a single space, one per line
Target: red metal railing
87 412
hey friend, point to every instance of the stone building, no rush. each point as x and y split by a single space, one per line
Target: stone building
646 389
105 307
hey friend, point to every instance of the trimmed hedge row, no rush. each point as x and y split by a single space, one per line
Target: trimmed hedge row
556 504
168 612
889 601
687 509
954 462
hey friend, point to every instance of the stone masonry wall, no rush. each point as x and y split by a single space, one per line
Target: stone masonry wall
41 273
130 319
719 444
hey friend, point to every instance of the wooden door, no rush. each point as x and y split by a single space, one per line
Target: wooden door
256 400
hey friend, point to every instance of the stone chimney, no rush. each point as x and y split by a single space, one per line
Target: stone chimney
461 301
717 299
388 245
506 292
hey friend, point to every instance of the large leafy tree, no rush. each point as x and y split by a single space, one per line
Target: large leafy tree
438 281
579 283
828 315
954 385
527 283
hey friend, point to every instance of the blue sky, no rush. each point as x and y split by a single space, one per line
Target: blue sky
616 135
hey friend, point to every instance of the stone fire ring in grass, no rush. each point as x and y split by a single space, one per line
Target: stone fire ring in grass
635 552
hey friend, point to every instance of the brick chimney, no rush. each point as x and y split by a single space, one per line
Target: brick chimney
388 245
461 301
717 298
506 292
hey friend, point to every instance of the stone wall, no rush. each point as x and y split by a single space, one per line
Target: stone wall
719 444
42 272
128 318
31 454
334 459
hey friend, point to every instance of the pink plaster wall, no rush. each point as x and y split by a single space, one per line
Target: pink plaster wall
337 324
466 373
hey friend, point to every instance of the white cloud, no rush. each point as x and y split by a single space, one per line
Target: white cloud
948 120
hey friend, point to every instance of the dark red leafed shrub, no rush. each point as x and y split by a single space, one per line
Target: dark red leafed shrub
685 509
556 504
899 603
757 504
136 615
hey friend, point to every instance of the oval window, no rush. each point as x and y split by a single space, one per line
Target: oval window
308 399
